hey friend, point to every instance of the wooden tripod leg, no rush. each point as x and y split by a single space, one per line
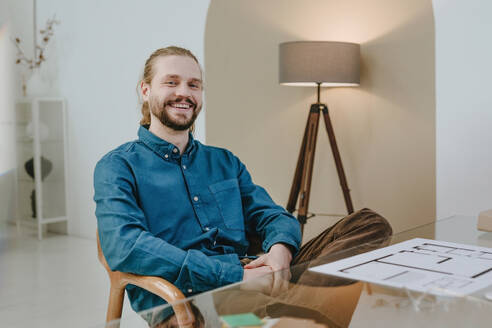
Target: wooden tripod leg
307 173
296 183
338 160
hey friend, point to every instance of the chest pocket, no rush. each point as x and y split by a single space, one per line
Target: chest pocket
228 198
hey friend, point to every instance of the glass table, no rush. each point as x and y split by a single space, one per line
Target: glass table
301 298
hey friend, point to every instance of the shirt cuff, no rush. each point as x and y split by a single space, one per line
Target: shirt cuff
284 239
231 273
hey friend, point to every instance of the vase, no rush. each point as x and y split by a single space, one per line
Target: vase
38 84
46 167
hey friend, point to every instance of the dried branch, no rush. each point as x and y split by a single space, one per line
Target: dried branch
40 50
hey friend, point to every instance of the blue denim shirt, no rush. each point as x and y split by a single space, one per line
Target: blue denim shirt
182 217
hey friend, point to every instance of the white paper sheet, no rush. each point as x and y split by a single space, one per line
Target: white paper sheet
423 265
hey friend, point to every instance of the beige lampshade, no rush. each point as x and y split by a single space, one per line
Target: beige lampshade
306 63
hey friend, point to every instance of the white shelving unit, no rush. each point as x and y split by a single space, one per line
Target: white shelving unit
41 147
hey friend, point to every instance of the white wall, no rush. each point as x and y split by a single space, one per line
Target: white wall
17 14
464 106
95 62
8 92
7 127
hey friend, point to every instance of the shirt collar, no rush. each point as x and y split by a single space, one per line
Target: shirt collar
161 146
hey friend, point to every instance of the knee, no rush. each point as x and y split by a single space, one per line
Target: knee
374 222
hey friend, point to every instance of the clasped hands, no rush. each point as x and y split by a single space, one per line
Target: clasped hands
273 267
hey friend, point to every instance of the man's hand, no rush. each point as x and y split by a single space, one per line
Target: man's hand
277 261
256 272
273 266
278 258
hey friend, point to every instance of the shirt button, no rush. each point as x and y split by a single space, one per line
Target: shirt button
207 229
166 156
190 290
195 199
184 167
175 150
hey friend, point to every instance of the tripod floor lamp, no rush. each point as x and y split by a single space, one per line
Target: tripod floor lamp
319 64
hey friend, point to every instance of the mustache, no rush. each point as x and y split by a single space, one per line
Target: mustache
188 100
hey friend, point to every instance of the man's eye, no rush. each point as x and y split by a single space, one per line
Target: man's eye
170 83
194 86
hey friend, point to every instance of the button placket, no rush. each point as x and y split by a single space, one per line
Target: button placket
198 200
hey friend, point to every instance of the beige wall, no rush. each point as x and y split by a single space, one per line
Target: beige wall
385 128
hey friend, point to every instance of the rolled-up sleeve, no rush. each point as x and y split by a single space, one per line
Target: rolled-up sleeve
128 246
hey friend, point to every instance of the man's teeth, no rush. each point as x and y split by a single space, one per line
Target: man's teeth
184 106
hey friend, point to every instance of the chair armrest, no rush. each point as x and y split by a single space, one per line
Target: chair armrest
156 285
165 290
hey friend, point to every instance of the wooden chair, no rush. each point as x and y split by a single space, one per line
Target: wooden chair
155 285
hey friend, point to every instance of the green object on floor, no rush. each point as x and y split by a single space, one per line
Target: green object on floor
241 320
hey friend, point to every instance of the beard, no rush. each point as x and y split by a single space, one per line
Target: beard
160 110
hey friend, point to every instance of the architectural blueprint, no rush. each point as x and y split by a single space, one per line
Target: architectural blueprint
423 265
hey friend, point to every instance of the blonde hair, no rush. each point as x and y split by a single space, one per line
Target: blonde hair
148 74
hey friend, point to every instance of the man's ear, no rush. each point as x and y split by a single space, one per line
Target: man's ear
145 90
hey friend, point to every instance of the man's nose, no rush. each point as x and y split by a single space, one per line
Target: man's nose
183 90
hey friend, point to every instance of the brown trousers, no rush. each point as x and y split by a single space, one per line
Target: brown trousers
356 233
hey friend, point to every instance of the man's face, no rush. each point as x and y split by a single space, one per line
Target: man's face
175 92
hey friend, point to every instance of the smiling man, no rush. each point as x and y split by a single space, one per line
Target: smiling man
172 207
